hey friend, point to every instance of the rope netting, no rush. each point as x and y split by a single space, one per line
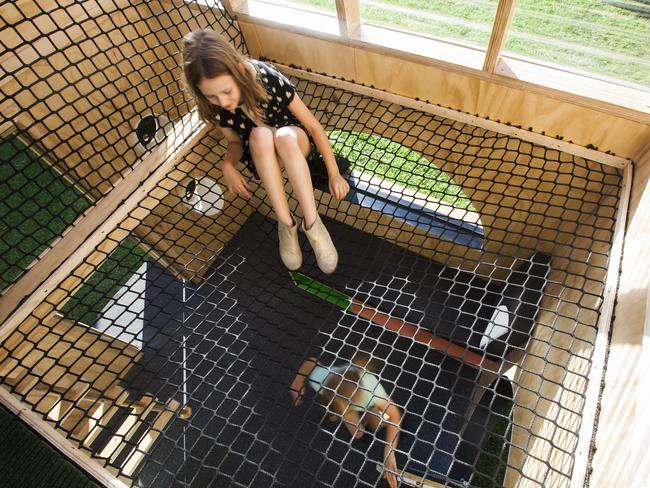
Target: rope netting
472 271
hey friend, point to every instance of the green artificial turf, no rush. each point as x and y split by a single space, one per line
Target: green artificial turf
491 466
27 461
89 300
391 161
36 205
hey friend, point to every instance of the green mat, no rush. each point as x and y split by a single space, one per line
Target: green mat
36 205
89 300
28 461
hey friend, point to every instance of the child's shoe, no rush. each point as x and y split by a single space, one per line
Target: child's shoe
320 240
290 252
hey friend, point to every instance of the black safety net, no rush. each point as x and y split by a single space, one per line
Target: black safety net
471 274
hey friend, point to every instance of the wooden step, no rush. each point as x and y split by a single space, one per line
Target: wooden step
133 437
111 408
146 442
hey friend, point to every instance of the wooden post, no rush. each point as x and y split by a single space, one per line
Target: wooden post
502 19
349 16
234 6
580 473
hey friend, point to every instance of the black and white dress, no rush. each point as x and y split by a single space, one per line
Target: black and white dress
276 110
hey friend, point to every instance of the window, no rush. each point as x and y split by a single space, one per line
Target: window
606 37
469 22
328 6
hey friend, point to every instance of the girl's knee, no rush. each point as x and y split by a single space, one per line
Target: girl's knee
286 141
261 138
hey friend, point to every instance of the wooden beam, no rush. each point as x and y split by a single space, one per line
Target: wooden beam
34 420
349 16
523 134
592 395
502 20
234 6
71 250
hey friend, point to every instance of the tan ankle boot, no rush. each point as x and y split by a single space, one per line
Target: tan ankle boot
321 242
290 252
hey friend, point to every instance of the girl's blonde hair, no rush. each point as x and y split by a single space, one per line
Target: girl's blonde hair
340 390
206 54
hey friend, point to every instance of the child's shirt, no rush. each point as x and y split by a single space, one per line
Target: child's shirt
370 391
276 110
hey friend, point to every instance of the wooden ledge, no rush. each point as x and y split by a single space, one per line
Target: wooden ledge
523 134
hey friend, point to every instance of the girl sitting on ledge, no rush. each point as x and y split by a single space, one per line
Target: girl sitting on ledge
269 128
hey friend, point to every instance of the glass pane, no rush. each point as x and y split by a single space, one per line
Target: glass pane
469 22
606 37
324 5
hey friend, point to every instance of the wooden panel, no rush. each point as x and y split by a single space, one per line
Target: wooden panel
83 96
304 52
489 96
617 447
187 240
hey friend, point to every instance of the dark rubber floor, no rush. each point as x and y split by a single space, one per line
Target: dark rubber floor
231 346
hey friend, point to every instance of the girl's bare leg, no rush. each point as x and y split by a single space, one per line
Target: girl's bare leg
292 145
262 149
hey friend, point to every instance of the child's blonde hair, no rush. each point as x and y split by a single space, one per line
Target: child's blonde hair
340 390
206 54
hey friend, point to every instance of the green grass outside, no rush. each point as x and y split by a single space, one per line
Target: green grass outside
591 35
379 156
89 300
36 205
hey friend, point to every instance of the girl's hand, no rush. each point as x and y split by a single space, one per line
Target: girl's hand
235 181
390 469
339 187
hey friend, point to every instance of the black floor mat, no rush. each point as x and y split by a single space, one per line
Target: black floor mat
242 335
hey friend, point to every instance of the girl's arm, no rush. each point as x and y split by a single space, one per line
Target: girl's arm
391 419
339 187
233 178
297 389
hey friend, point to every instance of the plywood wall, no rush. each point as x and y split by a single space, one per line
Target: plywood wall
484 97
617 447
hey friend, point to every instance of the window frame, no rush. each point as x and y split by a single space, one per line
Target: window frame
587 89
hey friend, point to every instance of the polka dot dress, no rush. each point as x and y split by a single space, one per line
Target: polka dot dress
276 110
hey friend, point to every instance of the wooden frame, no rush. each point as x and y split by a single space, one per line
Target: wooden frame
234 6
592 396
525 135
349 16
502 20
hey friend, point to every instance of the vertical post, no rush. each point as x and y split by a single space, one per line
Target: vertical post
502 19
234 6
349 16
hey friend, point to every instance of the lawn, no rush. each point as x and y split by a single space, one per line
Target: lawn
379 156
607 37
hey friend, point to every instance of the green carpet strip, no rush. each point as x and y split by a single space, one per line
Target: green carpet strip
321 290
27 461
